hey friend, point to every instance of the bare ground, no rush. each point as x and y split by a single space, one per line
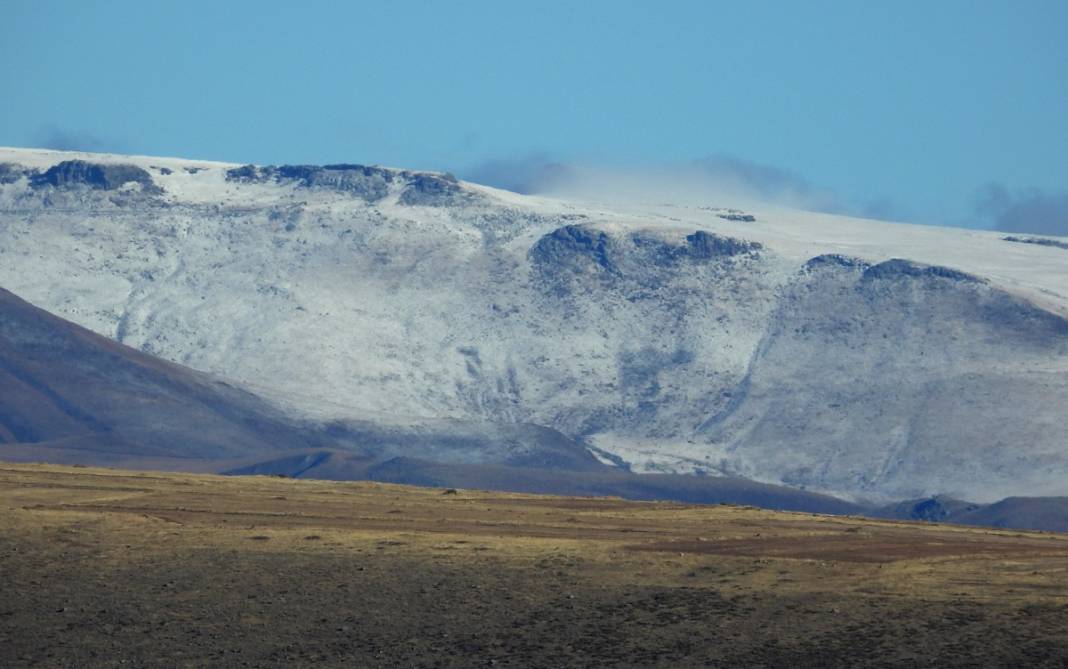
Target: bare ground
111 568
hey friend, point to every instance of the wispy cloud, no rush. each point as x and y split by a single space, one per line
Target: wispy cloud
66 139
715 179
529 174
758 181
724 180
1030 210
885 209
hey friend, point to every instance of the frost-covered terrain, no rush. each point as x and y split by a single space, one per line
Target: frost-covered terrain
872 360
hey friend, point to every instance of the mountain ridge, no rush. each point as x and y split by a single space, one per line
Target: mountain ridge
629 330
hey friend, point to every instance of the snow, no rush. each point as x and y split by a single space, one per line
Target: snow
341 308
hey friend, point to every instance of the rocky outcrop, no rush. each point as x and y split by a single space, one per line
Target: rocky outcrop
834 261
98 176
11 172
705 245
371 184
573 247
432 190
896 268
576 247
738 217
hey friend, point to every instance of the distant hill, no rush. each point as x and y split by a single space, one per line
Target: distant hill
604 481
1021 513
1035 513
69 395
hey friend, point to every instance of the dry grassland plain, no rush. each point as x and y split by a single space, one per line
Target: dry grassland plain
110 568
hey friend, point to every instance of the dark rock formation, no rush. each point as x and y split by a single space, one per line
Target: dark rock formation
432 190
245 173
835 260
10 173
738 217
75 173
576 246
933 509
898 267
369 183
703 245
571 247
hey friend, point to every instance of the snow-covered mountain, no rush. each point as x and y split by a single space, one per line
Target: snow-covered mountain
867 359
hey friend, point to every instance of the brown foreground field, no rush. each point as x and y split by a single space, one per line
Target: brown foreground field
115 568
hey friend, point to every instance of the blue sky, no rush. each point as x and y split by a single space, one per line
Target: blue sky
915 110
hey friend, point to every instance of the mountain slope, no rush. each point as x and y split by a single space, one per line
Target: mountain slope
956 378
665 338
73 394
1025 513
70 396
